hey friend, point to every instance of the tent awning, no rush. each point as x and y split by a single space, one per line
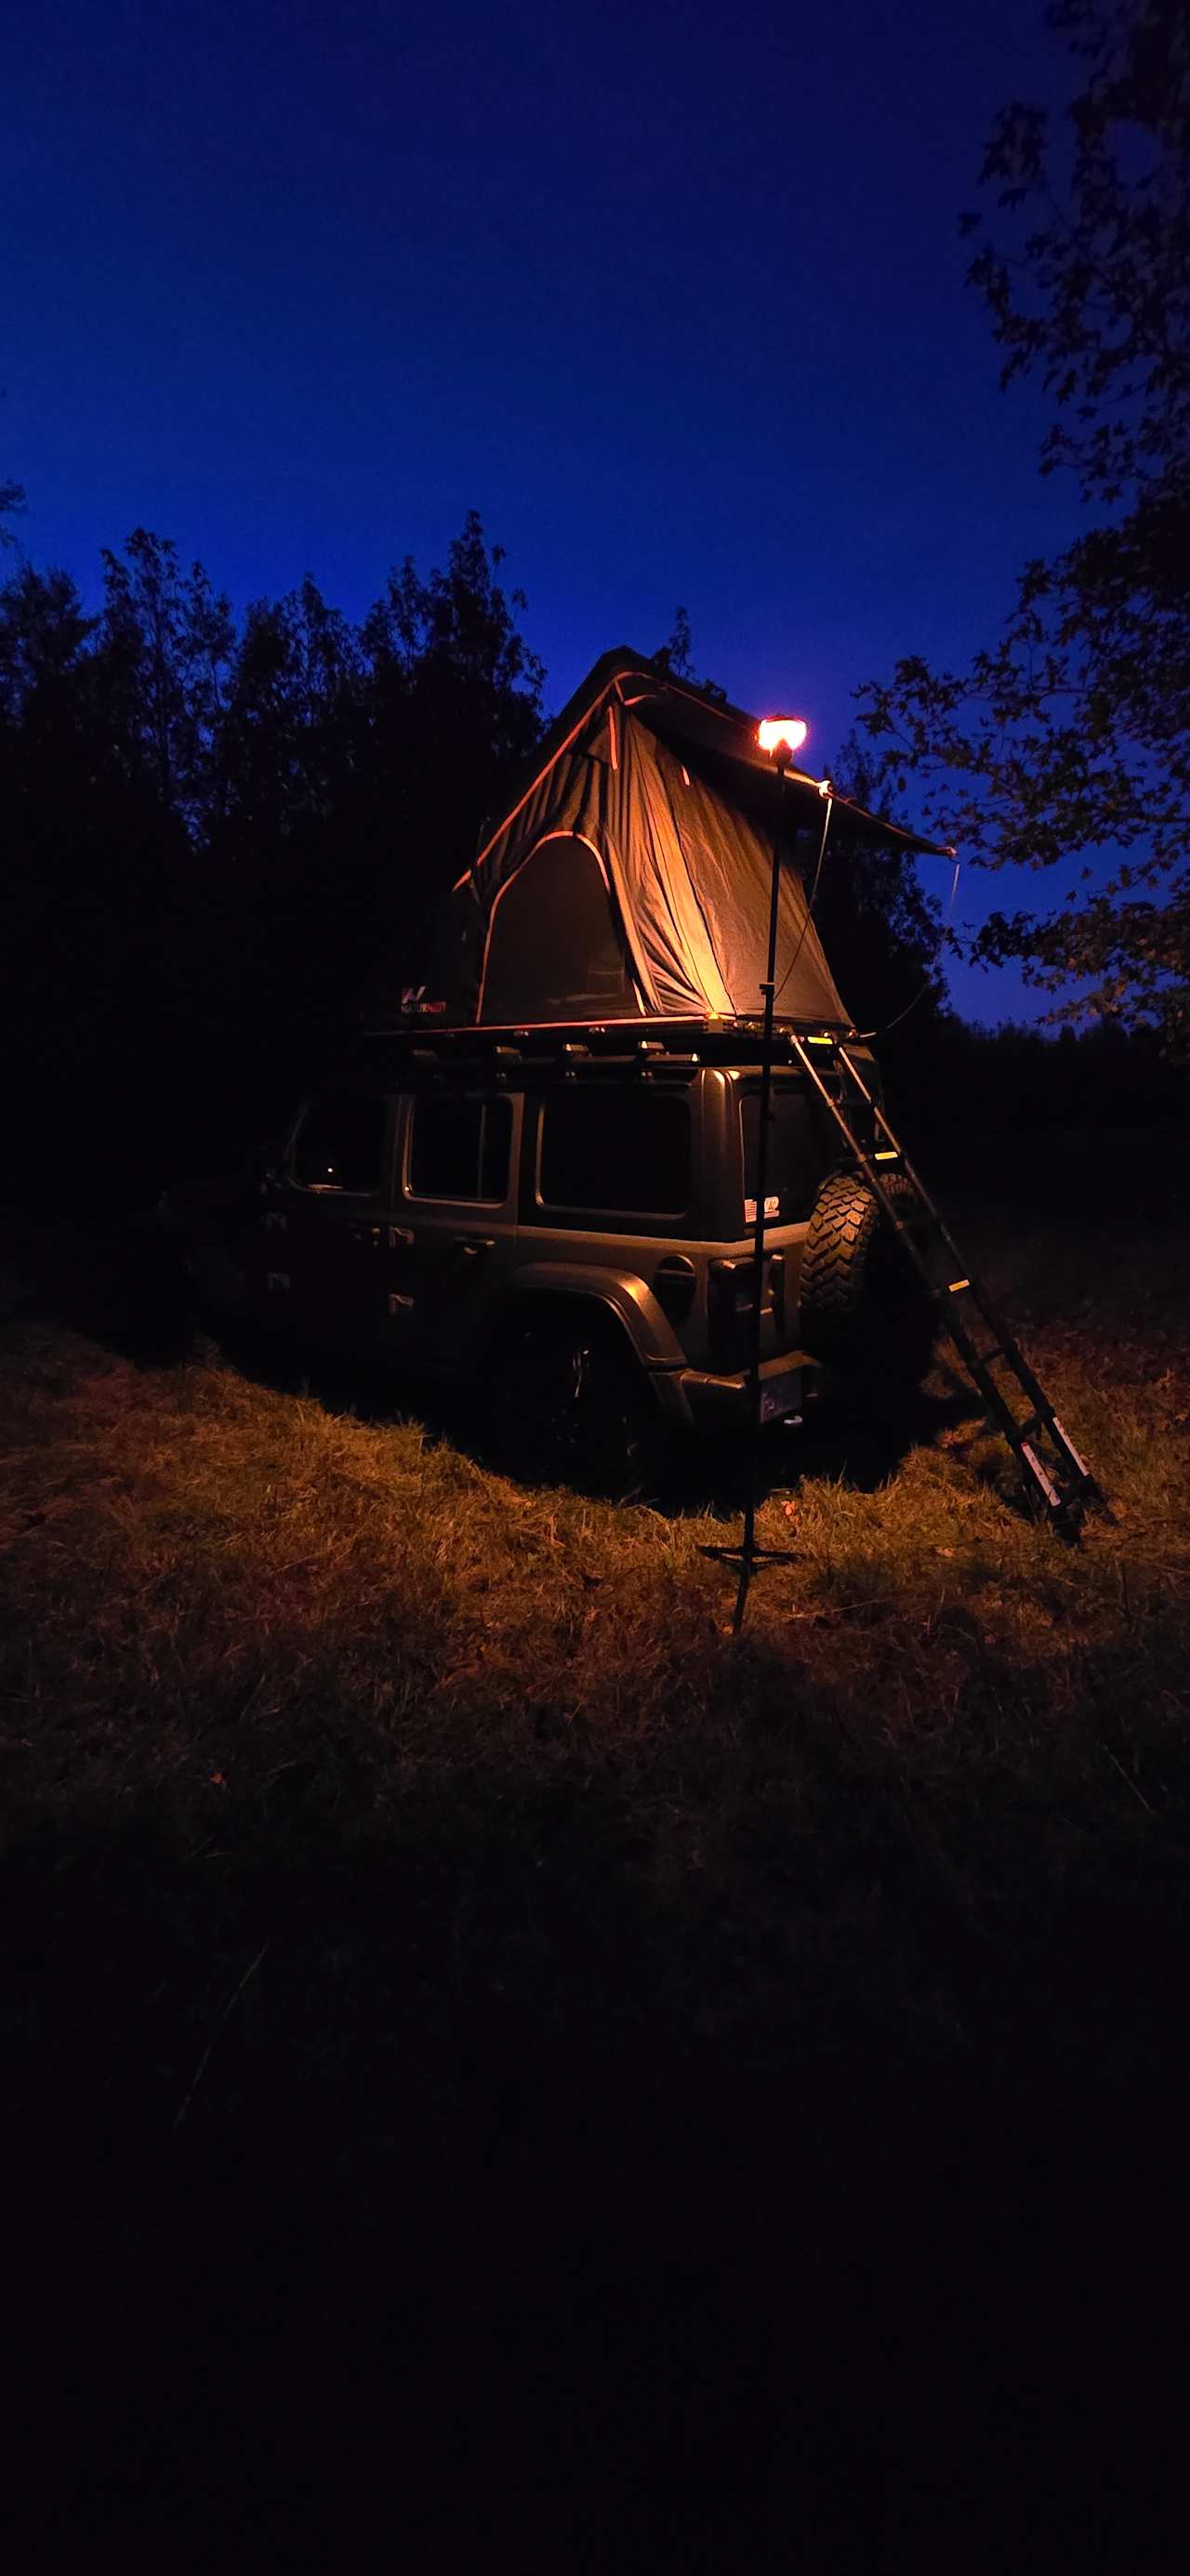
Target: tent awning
691 721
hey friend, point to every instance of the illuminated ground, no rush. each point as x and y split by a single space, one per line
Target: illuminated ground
483 2033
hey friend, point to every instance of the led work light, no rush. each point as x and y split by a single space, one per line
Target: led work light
782 734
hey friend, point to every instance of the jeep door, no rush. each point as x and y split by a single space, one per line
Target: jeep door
325 1225
455 1226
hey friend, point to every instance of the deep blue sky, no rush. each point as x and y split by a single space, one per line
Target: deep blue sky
674 297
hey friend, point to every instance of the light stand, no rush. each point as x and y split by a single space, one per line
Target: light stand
782 738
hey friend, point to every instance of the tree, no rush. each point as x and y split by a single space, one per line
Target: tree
1068 741
12 502
166 640
675 658
454 712
215 834
882 932
356 766
43 629
456 694
86 894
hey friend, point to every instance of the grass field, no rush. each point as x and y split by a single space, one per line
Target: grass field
411 1879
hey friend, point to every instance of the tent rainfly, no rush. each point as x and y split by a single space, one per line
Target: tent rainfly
631 878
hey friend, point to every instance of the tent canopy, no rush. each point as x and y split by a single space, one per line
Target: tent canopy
631 877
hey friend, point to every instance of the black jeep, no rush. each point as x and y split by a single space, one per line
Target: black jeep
563 1218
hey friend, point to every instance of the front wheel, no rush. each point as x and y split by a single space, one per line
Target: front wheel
569 1407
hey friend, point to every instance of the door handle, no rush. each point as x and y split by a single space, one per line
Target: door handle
473 1246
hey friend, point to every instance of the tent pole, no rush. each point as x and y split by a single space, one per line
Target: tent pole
749 1552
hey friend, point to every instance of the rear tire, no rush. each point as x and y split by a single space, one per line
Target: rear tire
571 1407
865 1310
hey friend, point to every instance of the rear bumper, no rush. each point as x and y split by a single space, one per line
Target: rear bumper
699 1401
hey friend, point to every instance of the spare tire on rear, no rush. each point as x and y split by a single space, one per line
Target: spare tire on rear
865 1309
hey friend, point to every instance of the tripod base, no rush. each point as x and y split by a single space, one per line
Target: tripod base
750 1560
753 1556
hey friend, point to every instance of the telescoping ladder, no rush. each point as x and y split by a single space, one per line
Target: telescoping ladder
1054 1474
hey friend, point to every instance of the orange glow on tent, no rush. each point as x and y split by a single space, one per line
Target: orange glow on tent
781 733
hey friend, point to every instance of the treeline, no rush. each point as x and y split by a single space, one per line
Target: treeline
952 1080
212 827
215 828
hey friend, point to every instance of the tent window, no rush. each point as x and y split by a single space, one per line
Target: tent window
626 1152
555 951
460 1149
340 1144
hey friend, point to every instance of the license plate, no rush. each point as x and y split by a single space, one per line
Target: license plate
781 1396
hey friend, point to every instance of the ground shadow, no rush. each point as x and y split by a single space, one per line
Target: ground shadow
360 2179
115 1280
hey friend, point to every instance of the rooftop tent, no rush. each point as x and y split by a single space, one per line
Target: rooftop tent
631 877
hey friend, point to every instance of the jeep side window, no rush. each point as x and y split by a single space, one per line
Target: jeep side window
625 1150
794 1158
459 1149
340 1143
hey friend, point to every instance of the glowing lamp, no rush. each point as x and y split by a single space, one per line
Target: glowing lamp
782 734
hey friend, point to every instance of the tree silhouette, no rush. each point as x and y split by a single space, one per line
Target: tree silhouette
675 658
166 642
215 830
873 913
1070 737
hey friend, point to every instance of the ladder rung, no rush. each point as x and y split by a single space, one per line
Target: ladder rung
955 1286
1041 1477
1025 1430
998 1351
886 1154
1071 1451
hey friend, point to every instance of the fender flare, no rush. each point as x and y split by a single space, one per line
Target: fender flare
621 1292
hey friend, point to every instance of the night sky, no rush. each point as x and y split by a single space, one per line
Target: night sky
673 297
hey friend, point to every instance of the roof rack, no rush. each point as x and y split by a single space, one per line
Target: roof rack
595 1047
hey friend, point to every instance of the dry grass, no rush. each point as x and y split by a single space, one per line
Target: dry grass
228 1598
453 1990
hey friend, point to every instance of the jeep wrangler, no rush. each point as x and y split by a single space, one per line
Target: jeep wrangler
563 1218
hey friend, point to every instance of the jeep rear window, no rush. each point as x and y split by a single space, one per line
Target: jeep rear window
460 1149
627 1150
340 1144
794 1155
